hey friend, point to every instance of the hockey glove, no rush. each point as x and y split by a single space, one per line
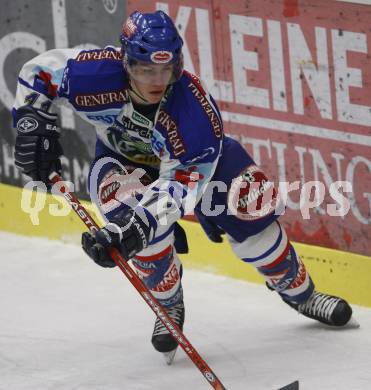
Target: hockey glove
37 148
126 232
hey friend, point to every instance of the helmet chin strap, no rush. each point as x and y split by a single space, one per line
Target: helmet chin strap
141 97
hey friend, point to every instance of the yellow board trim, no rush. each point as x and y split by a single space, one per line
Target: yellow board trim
14 219
341 273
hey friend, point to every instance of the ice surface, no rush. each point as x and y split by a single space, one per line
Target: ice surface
68 324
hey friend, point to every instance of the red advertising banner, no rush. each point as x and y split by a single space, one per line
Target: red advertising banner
293 82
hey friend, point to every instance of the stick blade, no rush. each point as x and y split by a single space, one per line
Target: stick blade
291 386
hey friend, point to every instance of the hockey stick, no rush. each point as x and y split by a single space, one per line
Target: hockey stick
89 222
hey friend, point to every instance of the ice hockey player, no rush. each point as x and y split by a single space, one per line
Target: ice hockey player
157 123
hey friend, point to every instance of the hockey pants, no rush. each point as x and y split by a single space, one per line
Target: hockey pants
260 241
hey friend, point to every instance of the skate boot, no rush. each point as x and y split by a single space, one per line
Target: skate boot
162 340
325 308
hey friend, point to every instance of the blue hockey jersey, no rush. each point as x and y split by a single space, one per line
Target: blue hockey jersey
186 134
184 142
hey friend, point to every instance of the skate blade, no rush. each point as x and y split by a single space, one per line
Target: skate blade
169 356
291 386
352 324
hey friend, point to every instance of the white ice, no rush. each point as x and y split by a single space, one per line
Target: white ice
68 324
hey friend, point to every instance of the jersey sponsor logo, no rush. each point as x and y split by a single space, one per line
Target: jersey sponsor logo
101 99
108 119
161 56
108 192
175 139
27 124
135 148
118 186
196 81
214 119
252 196
157 145
93 55
119 138
140 118
142 132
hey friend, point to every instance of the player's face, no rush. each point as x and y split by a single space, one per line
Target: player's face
151 80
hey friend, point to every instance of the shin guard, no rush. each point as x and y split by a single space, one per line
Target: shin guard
161 272
272 254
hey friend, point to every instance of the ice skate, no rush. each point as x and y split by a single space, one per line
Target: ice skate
162 340
327 309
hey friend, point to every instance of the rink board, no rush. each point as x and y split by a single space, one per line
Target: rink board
343 273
